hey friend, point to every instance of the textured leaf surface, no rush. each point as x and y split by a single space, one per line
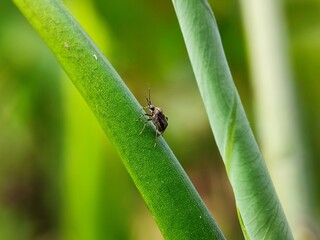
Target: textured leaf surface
176 206
259 209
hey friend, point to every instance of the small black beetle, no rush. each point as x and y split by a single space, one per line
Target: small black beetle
158 118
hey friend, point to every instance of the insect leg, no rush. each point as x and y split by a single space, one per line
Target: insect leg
138 119
146 114
144 126
155 139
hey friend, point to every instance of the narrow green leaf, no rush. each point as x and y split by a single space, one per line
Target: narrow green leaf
259 208
176 206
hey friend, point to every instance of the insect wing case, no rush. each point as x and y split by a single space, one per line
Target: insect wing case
160 120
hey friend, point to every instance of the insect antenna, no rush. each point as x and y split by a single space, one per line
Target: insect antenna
149 98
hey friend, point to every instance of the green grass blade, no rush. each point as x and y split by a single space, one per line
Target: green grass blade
278 124
176 206
259 209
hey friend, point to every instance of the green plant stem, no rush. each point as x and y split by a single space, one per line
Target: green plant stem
176 206
276 111
259 209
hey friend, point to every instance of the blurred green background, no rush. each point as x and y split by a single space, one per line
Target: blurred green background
60 178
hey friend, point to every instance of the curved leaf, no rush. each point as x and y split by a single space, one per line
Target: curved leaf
176 206
259 209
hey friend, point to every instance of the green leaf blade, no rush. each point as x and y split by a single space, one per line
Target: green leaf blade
169 194
259 209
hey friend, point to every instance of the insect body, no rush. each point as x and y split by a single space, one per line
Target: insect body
158 118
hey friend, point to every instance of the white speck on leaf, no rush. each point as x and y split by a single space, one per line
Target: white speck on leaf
66 45
95 57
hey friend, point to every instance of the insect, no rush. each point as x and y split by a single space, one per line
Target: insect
157 117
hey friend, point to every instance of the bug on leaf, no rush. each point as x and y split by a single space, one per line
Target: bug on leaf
157 117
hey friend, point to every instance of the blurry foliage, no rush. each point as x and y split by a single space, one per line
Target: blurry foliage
304 30
146 48
30 126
